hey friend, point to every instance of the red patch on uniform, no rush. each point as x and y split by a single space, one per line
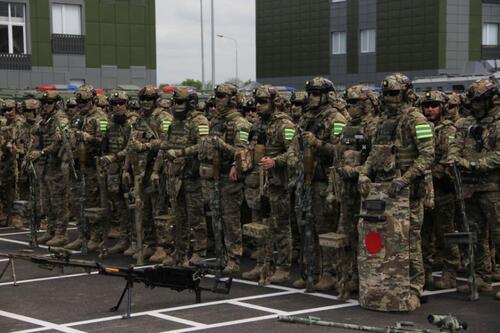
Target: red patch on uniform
373 242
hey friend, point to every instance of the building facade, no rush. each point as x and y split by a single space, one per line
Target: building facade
352 41
100 42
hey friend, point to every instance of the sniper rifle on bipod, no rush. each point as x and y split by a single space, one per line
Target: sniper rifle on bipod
175 278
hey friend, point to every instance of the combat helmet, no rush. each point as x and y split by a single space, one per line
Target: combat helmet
183 95
298 98
357 92
148 93
84 93
226 88
102 101
50 96
118 97
396 82
482 89
434 96
71 102
320 84
30 104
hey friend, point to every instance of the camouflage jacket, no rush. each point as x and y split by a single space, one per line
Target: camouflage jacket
444 135
95 124
402 146
276 134
48 135
479 141
233 129
327 125
181 135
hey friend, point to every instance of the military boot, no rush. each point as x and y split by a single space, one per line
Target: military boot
131 250
482 286
93 245
159 255
326 282
74 245
147 252
232 267
17 221
114 233
299 283
45 237
119 247
169 260
280 276
253 274
196 258
447 281
58 240
429 280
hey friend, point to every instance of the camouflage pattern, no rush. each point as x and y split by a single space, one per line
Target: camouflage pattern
384 253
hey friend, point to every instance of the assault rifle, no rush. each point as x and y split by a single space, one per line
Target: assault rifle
303 210
467 237
162 276
82 159
444 323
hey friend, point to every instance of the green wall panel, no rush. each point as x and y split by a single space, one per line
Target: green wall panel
121 33
475 30
41 51
442 37
409 35
352 44
293 37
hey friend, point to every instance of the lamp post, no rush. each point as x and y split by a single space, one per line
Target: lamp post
202 48
236 52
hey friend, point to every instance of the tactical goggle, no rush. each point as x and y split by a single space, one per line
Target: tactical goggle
315 93
262 100
118 102
392 93
297 104
8 110
432 104
147 98
48 102
180 101
220 95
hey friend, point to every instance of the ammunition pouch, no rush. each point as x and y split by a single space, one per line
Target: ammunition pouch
405 157
113 183
252 179
206 171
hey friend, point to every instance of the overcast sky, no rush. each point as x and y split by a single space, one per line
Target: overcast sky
178 39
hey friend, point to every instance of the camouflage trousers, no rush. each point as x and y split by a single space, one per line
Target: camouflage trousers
231 200
190 225
417 272
91 200
7 196
326 217
55 197
120 213
437 222
483 209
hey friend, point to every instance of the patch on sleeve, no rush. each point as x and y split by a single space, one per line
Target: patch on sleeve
103 125
165 125
289 133
424 131
243 136
338 127
203 130
451 138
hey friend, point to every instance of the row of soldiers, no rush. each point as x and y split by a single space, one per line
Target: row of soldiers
303 167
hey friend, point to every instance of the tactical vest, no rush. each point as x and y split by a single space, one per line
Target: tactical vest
144 132
179 137
226 129
354 145
274 147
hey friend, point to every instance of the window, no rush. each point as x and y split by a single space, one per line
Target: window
490 34
368 41
12 28
338 42
333 1
66 19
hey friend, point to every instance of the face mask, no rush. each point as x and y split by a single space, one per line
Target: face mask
221 103
84 107
147 105
263 108
479 108
315 100
119 118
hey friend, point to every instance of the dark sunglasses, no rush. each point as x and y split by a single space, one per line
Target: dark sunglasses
352 100
297 104
220 95
180 101
261 101
391 93
118 103
8 110
315 93
81 101
147 98
431 104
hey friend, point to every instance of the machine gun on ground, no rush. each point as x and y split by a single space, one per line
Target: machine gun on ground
175 278
444 323
467 237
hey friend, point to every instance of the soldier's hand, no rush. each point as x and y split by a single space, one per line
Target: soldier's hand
139 146
34 155
311 139
172 154
267 163
126 179
233 173
107 160
396 186
347 171
155 179
83 136
364 185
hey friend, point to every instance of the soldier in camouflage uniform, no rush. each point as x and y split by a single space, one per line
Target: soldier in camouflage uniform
476 149
102 102
452 111
49 150
274 132
298 103
227 135
321 127
147 133
183 182
351 153
92 126
114 151
409 137
440 219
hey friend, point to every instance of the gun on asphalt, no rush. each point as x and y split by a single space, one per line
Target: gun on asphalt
162 276
444 323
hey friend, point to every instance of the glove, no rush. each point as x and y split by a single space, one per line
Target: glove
396 186
126 179
172 154
34 155
107 160
155 179
364 185
311 139
347 171
83 136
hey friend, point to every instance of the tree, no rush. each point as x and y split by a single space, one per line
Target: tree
192 83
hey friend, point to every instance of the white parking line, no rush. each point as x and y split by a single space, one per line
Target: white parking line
14 241
178 320
256 307
47 278
26 232
47 325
